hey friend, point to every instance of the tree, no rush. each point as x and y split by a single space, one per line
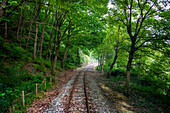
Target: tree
36 31
116 52
134 15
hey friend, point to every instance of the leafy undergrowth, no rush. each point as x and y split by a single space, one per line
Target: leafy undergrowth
140 98
21 75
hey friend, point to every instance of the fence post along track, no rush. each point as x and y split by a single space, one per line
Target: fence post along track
45 84
50 82
23 99
35 92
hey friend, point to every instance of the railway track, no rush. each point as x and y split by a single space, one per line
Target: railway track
78 99
79 95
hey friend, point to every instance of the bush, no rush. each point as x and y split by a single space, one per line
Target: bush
12 51
69 65
118 72
12 81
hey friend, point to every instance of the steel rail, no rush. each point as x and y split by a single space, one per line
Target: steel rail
86 93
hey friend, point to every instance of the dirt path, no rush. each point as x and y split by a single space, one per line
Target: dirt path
81 94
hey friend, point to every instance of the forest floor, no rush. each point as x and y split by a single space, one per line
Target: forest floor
69 95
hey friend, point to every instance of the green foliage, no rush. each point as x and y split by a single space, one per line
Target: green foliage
118 72
157 76
42 65
12 51
13 81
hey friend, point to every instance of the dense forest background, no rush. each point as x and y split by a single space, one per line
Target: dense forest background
40 38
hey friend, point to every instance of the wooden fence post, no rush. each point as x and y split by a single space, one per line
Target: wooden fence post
55 81
50 82
36 90
23 100
45 84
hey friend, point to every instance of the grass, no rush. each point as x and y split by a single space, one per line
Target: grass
142 98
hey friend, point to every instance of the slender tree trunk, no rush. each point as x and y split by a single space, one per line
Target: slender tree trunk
58 46
42 37
30 28
55 58
54 47
116 52
98 60
168 92
59 38
38 49
103 61
55 37
49 43
67 44
20 19
51 49
21 35
65 54
114 61
35 39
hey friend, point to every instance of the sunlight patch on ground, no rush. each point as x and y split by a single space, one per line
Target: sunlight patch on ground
118 98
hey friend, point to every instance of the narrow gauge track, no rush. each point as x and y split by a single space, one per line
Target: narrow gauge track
86 93
78 99
80 94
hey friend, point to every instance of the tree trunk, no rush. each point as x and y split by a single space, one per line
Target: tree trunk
59 38
129 67
116 52
21 35
20 19
50 50
51 46
55 37
114 61
55 59
35 39
168 92
103 61
65 54
98 61
30 28
58 46
49 43
42 37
